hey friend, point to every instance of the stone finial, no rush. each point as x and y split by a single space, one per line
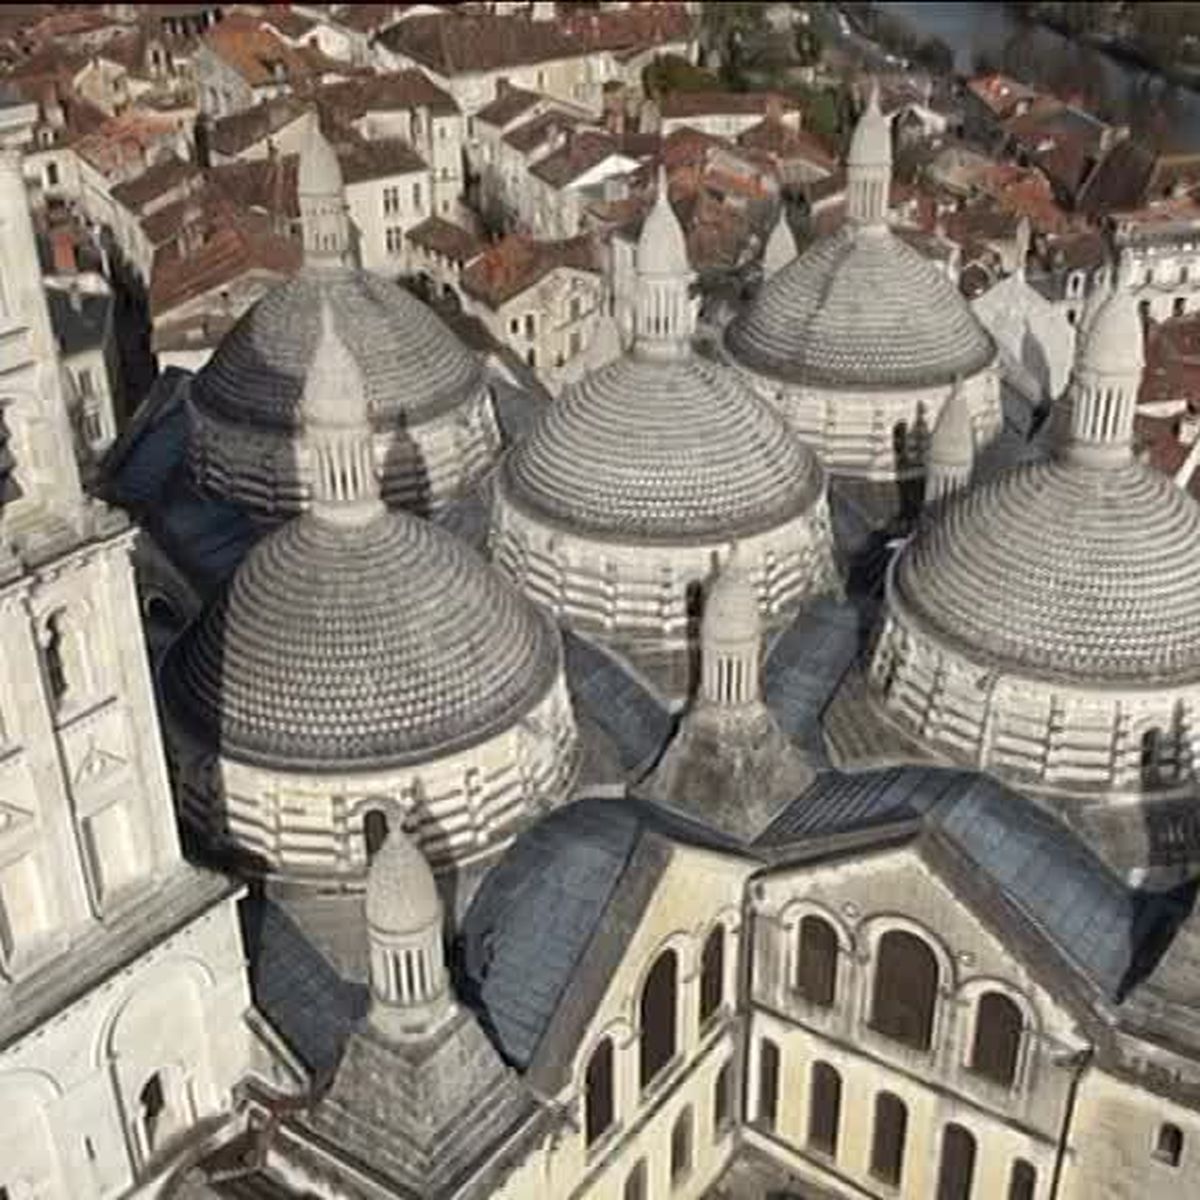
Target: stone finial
951 448
664 314
322 196
1104 387
410 986
869 166
337 432
781 246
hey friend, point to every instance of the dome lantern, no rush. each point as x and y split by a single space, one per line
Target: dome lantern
730 633
664 316
781 246
951 448
869 166
322 196
337 433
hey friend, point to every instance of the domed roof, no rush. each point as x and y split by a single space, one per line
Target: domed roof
662 450
358 646
860 308
1063 571
413 366
401 894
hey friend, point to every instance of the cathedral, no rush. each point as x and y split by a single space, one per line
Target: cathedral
419 790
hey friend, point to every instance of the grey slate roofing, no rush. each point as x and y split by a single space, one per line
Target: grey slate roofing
306 1001
82 324
636 722
534 914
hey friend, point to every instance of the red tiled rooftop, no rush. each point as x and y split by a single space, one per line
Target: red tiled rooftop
445 238
511 266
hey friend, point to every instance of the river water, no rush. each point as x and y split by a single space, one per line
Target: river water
1154 108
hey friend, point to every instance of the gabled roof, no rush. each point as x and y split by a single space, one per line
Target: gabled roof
707 104
157 180
584 149
254 51
230 135
376 159
518 262
509 104
785 143
445 238
458 42
350 99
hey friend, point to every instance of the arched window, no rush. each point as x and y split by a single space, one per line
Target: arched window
824 1108
375 831
957 1171
681 1147
712 974
1168 1146
906 983
54 658
997 1044
657 1017
598 1092
816 978
635 1182
887 1142
152 1103
768 1082
1022 1183
722 1097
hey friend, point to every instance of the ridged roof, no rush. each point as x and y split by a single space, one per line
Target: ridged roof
1063 571
414 367
662 450
358 646
860 309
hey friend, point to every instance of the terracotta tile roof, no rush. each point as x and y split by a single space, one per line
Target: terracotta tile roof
534 132
1081 249
266 184
377 158
367 18
458 42
236 245
584 149
787 144
511 103
254 51
164 176
124 145
1001 94
352 98
231 135
1172 371
701 104
515 264
287 21
445 238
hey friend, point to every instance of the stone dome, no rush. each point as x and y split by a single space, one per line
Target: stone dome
359 646
402 897
860 309
1113 340
413 366
1060 571
662 450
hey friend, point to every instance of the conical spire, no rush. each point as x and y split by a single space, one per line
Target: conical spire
1104 387
951 448
664 315
410 987
322 196
869 166
337 432
781 246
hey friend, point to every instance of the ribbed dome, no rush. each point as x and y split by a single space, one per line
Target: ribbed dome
358 646
662 450
860 309
1062 571
413 366
402 897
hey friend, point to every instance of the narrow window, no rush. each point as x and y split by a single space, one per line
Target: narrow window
657 1018
817 974
712 975
887 1144
598 1099
721 1100
957 1170
375 831
681 1148
997 1044
1168 1147
635 1181
1022 1183
905 995
768 1083
153 1103
53 659
824 1108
